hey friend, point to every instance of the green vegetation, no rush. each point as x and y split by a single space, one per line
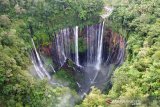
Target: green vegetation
82 46
94 99
18 87
65 77
138 78
19 21
47 17
141 68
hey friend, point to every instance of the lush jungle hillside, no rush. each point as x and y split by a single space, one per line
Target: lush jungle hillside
135 83
19 21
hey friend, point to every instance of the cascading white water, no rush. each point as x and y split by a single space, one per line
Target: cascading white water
52 68
65 49
99 51
94 38
60 48
66 39
90 45
40 69
76 46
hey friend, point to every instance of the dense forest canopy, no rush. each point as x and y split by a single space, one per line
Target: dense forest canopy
48 16
44 17
137 81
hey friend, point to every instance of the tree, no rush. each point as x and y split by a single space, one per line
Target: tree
94 99
4 21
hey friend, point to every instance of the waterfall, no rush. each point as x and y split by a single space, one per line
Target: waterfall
94 39
76 46
38 71
60 48
99 51
90 44
52 68
41 71
62 45
96 62
66 37
63 42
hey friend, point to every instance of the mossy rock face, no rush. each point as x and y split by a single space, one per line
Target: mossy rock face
66 77
82 46
70 63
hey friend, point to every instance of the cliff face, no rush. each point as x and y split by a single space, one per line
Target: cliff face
113 48
62 52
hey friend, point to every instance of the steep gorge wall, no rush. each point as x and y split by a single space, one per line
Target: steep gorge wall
113 48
